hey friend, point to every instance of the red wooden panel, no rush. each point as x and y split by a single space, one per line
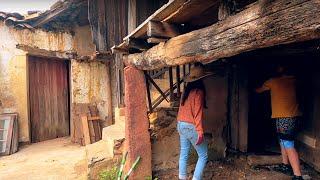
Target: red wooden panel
49 98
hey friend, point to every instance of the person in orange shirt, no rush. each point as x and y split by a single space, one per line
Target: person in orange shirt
189 126
285 111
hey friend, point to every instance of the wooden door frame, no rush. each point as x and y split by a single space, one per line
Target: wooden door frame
28 55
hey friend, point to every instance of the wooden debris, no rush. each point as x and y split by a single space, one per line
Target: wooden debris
256 160
85 130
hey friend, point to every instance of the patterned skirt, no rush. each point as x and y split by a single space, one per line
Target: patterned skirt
287 128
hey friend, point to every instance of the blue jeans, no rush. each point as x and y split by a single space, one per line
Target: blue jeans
188 137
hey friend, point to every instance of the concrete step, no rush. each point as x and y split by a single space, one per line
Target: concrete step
104 149
98 151
113 133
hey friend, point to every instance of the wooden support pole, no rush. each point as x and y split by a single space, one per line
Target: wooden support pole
263 24
137 137
148 92
171 84
178 81
184 75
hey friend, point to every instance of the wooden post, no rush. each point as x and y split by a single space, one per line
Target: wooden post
178 80
184 75
148 92
132 15
171 84
137 137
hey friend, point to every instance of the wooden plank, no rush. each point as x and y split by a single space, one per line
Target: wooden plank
132 15
171 84
255 160
178 80
264 24
51 15
153 40
148 92
85 130
139 44
159 15
163 29
189 10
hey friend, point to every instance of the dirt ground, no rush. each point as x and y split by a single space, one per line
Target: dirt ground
165 157
50 160
236 168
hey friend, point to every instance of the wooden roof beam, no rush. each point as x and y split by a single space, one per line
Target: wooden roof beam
264 24
163 29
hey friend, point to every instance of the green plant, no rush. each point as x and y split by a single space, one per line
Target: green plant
109 174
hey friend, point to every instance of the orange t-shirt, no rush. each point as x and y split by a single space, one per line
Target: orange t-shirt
192 110
283 96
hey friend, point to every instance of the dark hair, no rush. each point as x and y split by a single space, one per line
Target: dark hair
195 85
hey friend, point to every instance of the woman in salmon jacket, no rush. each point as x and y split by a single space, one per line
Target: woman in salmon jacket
190 128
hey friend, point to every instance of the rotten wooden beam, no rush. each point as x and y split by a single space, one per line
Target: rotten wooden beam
139 44
163 29
42 52
264 24
51 15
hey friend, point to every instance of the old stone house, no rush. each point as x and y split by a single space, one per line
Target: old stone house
50 72
139 44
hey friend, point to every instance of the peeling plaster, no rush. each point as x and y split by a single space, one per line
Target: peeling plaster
89 80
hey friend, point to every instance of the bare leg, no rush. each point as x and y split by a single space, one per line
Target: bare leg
294 160
284 154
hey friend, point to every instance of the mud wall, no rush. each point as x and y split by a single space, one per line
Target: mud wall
89 80
90 84
13 68
215 116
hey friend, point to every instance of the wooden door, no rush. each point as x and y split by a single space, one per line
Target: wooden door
49 98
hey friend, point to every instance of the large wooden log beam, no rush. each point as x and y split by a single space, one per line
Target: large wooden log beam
264 24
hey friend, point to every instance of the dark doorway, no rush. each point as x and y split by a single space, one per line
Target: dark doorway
262 136
48 98
301 61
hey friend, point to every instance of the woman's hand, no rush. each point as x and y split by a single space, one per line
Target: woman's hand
200 139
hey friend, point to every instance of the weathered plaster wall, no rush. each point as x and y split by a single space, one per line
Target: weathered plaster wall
90 84
90 81
82 42
13 68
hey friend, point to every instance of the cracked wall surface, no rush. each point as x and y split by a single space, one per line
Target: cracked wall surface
89 80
